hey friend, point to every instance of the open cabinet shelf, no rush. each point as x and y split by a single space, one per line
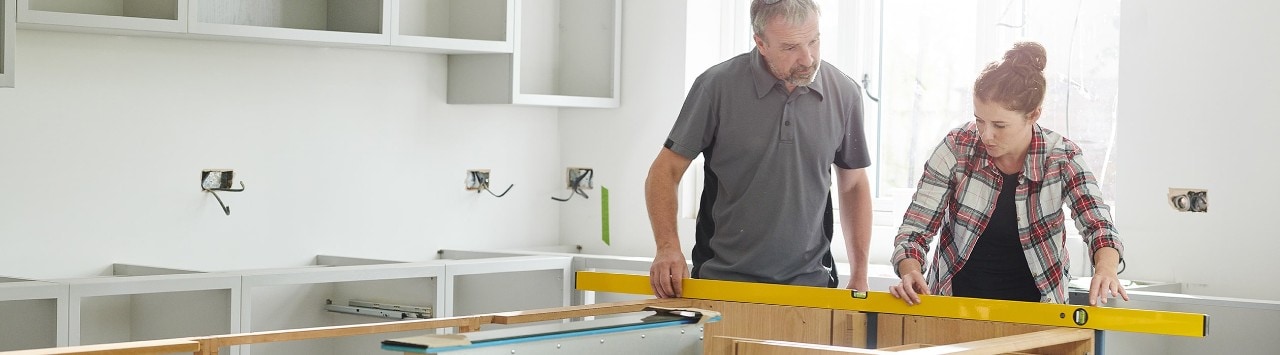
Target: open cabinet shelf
134 303
290 298
567 54
453 26
135 15
327 21
41 307
485 285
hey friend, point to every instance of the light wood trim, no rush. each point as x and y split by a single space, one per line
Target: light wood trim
922 346
1010 343
904 347
587 310
1002 345
210 345
929 330
777 347
164 346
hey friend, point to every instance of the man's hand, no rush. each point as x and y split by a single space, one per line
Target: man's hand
857 284
667 273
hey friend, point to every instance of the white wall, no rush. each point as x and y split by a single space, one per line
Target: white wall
343 151
1198 81
620 144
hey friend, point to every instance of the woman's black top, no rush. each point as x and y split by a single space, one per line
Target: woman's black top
997 267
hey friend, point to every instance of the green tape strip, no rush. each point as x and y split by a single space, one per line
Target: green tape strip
604 214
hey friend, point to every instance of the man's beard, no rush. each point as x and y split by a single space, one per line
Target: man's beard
798 79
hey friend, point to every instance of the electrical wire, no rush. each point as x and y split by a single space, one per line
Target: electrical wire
484 185
576 186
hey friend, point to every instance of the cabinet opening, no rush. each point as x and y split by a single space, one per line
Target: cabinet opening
154 9
462 19
567 47
151 316
292 306
37 329
357 16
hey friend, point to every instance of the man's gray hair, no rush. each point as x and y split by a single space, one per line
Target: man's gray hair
793 11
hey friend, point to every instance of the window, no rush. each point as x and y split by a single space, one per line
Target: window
919 58
924 97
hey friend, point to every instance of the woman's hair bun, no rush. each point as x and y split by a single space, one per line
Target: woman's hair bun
1029 54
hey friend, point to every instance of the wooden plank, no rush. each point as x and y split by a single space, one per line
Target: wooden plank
211 344
922 346
767 322
849 328
904 347
929 330
1001 345
587 310
775 347
165 346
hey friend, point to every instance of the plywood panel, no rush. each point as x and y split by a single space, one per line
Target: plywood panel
849 328
889 330
766 322
928 330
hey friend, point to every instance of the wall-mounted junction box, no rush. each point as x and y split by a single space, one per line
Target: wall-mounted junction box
579 176
216 178
477 179
1189 200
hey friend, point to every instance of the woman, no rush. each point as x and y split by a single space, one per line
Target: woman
994 191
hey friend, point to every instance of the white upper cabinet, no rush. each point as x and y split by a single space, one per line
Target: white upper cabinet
526 52
567 54
437 26
326 21
105 15
8 31
453 26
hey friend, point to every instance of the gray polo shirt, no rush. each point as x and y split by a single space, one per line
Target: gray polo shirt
766 205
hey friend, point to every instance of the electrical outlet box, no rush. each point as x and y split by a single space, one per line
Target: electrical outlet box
1189 200
216 178
477 179
581 177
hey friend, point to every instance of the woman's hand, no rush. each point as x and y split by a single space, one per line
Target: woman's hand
1105 284
913 284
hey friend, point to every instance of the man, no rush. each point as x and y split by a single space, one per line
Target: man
770 124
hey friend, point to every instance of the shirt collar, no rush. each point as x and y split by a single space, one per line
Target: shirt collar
1033 167
1037 153
765 81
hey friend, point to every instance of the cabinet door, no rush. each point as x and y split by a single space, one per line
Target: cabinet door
8 31
326 21
105 15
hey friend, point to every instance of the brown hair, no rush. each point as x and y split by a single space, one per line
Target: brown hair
1016 82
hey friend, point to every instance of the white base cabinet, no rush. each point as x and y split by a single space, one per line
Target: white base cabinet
136 303
42 307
